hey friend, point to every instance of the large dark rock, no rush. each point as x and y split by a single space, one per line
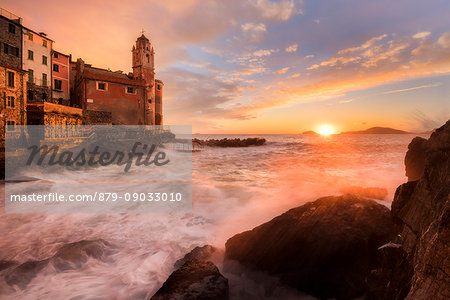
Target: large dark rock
421 213
415 159
195 280
392 280
201 253
325 248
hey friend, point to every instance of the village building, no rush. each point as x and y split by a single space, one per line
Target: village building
60 78
37 61
158 102
12 78
42 86
130 98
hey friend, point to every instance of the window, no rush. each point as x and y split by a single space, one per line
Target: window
30 55
55 55
30 36
30 76
10 79
10 125
149 100
158 87
55 67
10 101
44 60
148 58
44 79
10 50
131 90
44 43
12 28
44 96
30 95
101 86
58 84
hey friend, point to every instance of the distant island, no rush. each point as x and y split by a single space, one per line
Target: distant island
377 130
310 132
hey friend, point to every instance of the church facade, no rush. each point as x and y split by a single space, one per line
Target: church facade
127 99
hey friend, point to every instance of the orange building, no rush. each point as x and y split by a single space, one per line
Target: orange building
130 98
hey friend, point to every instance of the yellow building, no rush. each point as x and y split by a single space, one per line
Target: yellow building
13 99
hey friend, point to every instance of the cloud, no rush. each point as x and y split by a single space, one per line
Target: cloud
317 21
313 67
250 70
282 71
421 35
254 32
413 88
392 61
296 75
365 45
192 97
292 48
281 10
427 122
444 40
262 52
309 56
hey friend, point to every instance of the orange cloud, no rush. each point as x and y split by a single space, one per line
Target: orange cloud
394 61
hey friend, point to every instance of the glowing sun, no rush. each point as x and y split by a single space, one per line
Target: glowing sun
325 130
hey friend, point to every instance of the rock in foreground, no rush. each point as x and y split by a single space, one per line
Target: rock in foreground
195 280
368 192
201 253
325 248
421 210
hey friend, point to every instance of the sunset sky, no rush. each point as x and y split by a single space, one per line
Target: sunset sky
262 66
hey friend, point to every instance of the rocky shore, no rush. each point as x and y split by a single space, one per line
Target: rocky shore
340 247
230 142
348 246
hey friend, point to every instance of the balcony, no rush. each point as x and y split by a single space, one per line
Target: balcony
38 81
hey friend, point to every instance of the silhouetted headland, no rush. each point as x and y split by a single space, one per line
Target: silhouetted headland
377 130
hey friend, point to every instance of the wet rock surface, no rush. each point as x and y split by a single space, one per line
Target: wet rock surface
74 255
230 142
68 257
421 212
368 192
195 279
200 253
415 159
325 248
24 273
5 264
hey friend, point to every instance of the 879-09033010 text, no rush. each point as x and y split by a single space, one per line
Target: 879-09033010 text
98 196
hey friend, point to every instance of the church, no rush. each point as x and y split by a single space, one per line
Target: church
113 97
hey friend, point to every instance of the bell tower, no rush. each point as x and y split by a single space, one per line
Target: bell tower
144 69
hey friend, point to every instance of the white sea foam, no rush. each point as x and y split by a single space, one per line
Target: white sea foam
234 189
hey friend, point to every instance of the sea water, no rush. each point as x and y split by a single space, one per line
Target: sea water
233 190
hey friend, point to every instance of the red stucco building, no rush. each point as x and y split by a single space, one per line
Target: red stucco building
132 99
60 78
